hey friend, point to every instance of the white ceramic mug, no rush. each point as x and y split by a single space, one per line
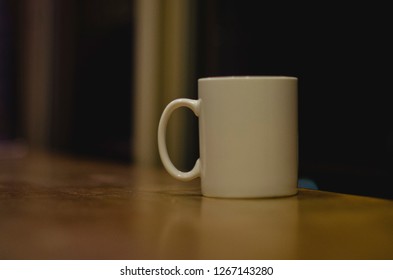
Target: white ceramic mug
248 136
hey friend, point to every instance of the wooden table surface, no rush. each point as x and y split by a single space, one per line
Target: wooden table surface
60 207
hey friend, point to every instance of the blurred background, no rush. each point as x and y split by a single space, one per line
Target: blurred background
91 78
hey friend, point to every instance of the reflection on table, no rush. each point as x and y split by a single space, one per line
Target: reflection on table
60 207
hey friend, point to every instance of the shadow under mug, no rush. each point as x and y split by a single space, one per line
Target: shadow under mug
248 136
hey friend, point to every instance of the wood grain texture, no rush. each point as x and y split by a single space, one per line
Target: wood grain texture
60 207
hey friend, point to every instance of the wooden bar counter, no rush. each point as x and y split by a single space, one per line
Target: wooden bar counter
61 207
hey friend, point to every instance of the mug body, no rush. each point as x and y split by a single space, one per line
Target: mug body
248 136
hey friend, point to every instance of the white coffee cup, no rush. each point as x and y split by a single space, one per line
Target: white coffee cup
248 136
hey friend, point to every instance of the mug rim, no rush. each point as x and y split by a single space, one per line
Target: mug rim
264 77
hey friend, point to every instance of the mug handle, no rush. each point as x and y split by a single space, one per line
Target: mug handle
194 105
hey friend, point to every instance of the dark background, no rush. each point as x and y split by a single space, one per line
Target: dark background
340 54
342 57
101 75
